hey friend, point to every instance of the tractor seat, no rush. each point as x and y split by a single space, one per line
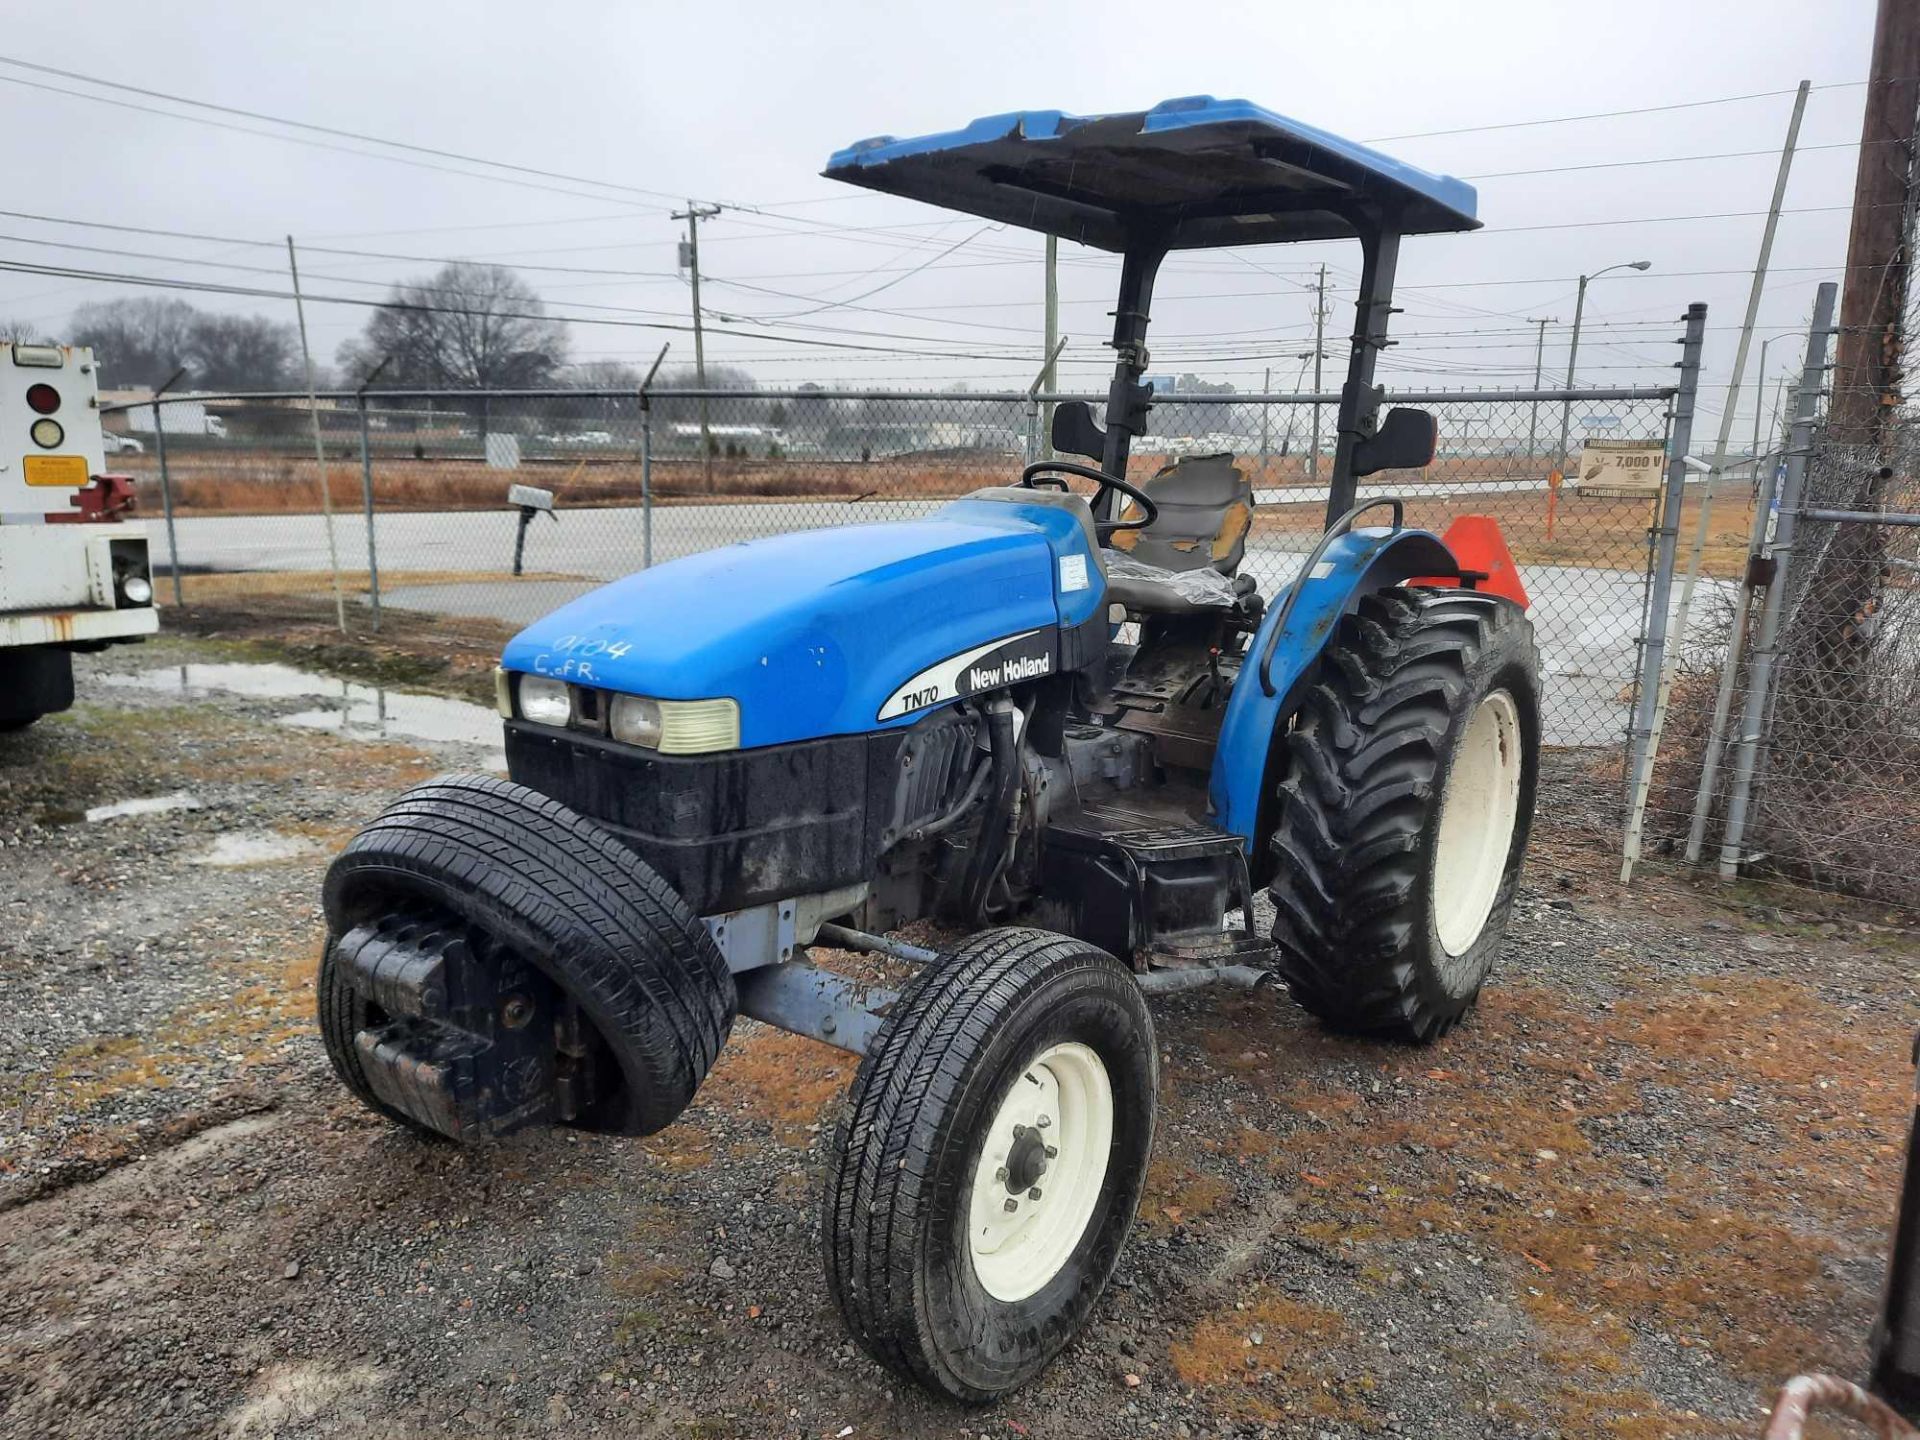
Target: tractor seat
1188 558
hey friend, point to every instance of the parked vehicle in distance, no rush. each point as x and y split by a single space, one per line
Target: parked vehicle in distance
584 437
114 444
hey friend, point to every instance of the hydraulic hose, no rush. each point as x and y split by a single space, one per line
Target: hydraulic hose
993 851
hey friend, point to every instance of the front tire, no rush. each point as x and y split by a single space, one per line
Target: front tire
987 1173
498 864
1405 810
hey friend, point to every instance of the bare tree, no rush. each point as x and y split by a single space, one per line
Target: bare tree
136 342
22 332
468 326
604 375
242 352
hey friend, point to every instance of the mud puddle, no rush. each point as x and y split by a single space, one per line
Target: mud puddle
350 708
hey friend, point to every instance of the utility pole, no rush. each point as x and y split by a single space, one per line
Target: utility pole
690 258
1319 354
1867 363
1539 355
1049 379
1828 690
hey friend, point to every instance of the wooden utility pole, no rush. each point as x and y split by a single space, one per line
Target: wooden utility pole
1867 364
693 215
1827 650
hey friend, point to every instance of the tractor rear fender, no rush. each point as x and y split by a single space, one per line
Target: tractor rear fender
1352 566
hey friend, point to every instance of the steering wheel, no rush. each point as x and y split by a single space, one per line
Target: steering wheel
1030 479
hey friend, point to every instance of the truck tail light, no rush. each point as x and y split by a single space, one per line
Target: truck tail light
43 399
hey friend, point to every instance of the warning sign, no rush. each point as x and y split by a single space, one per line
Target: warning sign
1628 468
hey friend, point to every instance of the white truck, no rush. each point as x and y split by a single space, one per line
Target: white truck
74 574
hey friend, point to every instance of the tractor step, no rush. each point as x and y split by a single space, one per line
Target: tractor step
1141 883
1213 949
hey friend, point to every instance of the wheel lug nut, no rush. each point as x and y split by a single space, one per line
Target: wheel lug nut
1019 1131
1044 1121
1001 1173
1052 1151
1011 1205
1034 1194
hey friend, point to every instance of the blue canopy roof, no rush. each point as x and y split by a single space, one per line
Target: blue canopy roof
1196 172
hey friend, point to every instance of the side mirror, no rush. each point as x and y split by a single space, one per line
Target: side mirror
1405 440
1074 431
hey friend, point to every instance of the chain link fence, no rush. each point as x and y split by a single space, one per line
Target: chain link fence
1838 799
419 486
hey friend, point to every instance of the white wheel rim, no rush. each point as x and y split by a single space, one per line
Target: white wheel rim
1478 813
1024 1222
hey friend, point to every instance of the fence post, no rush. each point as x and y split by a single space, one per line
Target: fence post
1760 681
366 498
166 490
646 460
1660 599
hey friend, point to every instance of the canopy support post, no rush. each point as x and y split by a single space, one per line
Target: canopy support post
1127 399
1359 400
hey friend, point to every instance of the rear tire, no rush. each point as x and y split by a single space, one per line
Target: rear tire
558 890
1019 1071
11 723
1405 810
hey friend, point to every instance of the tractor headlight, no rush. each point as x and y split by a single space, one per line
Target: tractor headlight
544 701
675 727
636 720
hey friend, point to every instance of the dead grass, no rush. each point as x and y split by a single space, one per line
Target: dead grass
781 1080
1270 1358
1720 1244
1176 1193
1587 530
271 1005
253 585
1683 1168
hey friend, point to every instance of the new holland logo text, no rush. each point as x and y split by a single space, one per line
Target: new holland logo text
1014 668
992 666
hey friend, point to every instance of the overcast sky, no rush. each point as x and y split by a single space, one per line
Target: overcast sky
741 103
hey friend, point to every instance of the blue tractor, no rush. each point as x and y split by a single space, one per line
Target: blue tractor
1052 716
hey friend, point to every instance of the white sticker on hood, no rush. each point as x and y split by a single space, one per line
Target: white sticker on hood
1073 573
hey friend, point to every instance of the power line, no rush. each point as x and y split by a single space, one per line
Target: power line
1594 115
293 139
259 292
1665 160
326 129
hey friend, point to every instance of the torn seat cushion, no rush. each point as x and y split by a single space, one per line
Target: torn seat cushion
1206 510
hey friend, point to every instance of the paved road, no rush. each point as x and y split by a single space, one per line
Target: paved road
1587 620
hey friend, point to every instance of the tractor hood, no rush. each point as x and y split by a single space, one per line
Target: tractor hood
832 632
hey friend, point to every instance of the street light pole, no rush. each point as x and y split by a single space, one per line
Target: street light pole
1760 394
1573 346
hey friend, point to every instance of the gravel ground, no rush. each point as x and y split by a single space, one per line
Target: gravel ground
1647 1182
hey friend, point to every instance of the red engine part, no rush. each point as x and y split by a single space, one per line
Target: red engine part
1485 561
104 498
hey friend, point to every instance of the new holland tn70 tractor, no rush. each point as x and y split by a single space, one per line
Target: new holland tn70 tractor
1057 719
